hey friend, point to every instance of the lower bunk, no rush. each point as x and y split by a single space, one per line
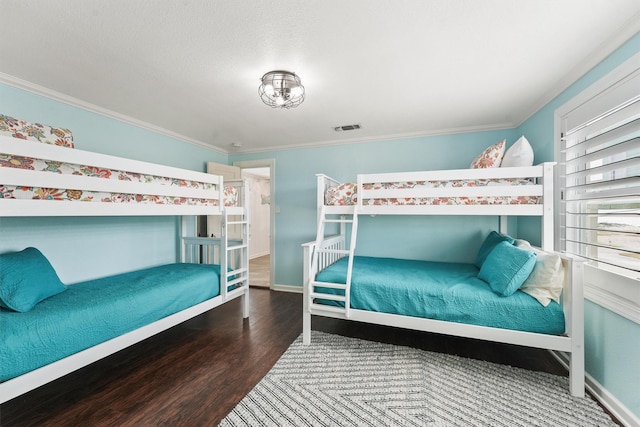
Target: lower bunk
446 298
75 325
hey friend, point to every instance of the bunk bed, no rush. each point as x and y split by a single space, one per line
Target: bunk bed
443 297
43 175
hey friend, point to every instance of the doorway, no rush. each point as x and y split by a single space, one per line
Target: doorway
260 179
258 182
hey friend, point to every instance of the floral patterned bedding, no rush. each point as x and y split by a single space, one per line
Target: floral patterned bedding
37 132
22 129
18 192
346 194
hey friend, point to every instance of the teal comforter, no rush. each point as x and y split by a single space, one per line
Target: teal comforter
95 311
450 292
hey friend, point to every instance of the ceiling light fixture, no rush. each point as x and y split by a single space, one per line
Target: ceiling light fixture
281 89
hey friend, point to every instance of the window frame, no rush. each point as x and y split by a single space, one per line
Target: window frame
621 294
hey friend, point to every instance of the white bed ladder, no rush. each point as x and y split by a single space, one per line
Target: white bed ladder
331 255
236 273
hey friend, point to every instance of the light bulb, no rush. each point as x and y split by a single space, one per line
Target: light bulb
268 89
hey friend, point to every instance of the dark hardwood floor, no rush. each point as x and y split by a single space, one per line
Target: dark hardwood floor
196 372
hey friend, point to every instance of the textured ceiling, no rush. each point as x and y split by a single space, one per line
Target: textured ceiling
397 67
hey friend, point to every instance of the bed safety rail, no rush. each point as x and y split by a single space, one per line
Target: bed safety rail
26 176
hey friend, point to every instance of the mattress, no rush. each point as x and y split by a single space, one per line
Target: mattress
443 291
346 194
230 193
95 311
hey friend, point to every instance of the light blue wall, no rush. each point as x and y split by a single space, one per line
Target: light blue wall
84 248
91 247
612 343
435 238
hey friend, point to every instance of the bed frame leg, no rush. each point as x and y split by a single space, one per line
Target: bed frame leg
576 373
306 328
245 304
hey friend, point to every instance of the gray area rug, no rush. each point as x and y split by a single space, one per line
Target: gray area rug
339 381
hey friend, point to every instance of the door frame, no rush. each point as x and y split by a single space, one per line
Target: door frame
271 164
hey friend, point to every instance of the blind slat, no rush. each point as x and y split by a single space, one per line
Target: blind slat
622 133
626 187
622 168
628 147
608 121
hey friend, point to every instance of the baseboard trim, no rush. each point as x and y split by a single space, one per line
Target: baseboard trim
287 288
259 255
609 401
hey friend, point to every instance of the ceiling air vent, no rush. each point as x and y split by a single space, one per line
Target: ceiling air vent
347 127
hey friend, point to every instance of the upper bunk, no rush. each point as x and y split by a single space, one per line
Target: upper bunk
496 191
41 177
520 191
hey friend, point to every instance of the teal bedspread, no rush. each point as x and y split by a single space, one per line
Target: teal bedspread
442 291
95 311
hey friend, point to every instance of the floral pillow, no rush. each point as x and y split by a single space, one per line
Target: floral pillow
22 129
491 157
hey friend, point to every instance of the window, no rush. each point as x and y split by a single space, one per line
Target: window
598 187
601 195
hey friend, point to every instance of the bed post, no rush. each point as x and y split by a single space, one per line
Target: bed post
503 224
306 315
183 234
245 303
547 215
576 327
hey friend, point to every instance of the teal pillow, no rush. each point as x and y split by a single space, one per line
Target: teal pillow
506 268
489 243
26 278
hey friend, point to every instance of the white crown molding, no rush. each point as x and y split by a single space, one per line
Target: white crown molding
600 53
78 103
366 139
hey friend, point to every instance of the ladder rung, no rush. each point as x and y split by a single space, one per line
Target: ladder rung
234 281
348 221
233 292
329 285
327 308
238 271
330 297
233 248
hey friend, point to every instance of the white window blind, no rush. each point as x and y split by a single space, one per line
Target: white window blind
600 197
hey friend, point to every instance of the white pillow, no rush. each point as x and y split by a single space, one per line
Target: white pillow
545 281
519 154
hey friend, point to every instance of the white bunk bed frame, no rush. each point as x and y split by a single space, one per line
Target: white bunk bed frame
328 249
230 253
